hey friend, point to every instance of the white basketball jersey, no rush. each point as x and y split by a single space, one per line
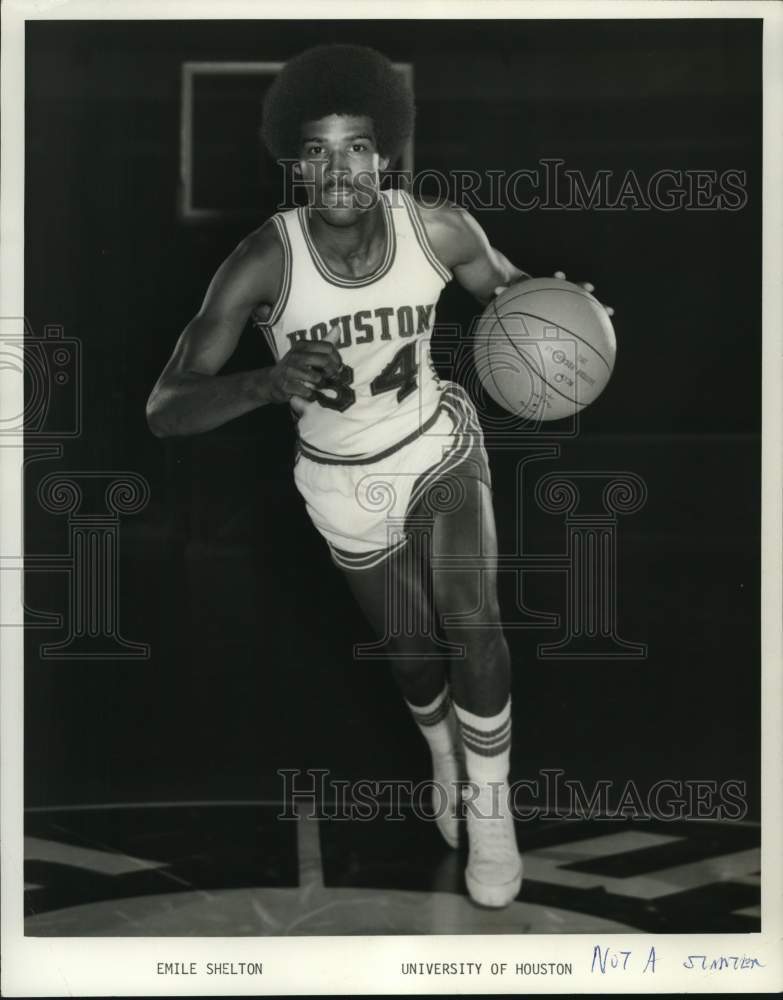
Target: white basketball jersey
389 388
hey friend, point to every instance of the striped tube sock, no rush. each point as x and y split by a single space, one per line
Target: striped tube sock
439 726
487 741
437 723
494 872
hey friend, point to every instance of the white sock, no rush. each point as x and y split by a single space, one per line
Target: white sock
494 872
487 742
437 724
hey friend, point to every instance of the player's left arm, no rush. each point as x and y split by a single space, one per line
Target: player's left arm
480 268
463 247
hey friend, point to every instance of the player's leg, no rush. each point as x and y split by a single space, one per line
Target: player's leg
394 597
390 584
467 601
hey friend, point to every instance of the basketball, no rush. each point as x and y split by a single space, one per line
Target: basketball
544 349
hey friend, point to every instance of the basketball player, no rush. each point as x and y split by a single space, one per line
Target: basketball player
345 292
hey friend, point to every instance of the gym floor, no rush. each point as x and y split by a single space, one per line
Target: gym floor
224 869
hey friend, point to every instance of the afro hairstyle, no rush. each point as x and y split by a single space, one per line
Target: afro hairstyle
337 80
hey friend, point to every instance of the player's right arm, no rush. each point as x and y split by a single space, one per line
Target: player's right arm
190 397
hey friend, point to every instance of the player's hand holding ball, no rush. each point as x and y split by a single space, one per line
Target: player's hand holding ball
545 348
304 369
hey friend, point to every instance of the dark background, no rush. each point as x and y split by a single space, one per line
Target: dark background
251 628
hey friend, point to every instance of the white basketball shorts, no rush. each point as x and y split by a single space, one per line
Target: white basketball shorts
363 507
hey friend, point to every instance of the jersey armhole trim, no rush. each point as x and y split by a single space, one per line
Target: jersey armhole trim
270 339
285 287
422 238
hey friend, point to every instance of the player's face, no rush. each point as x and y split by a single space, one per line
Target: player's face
340 163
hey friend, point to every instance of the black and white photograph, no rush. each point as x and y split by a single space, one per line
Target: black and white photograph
391 498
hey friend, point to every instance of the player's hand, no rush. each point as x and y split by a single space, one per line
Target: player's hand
588 287
521 276
304 369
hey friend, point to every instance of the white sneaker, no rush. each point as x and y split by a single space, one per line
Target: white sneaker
494 872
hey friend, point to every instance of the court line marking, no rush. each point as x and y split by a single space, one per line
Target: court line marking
308 845
79 807
545 866
103 862
607 844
